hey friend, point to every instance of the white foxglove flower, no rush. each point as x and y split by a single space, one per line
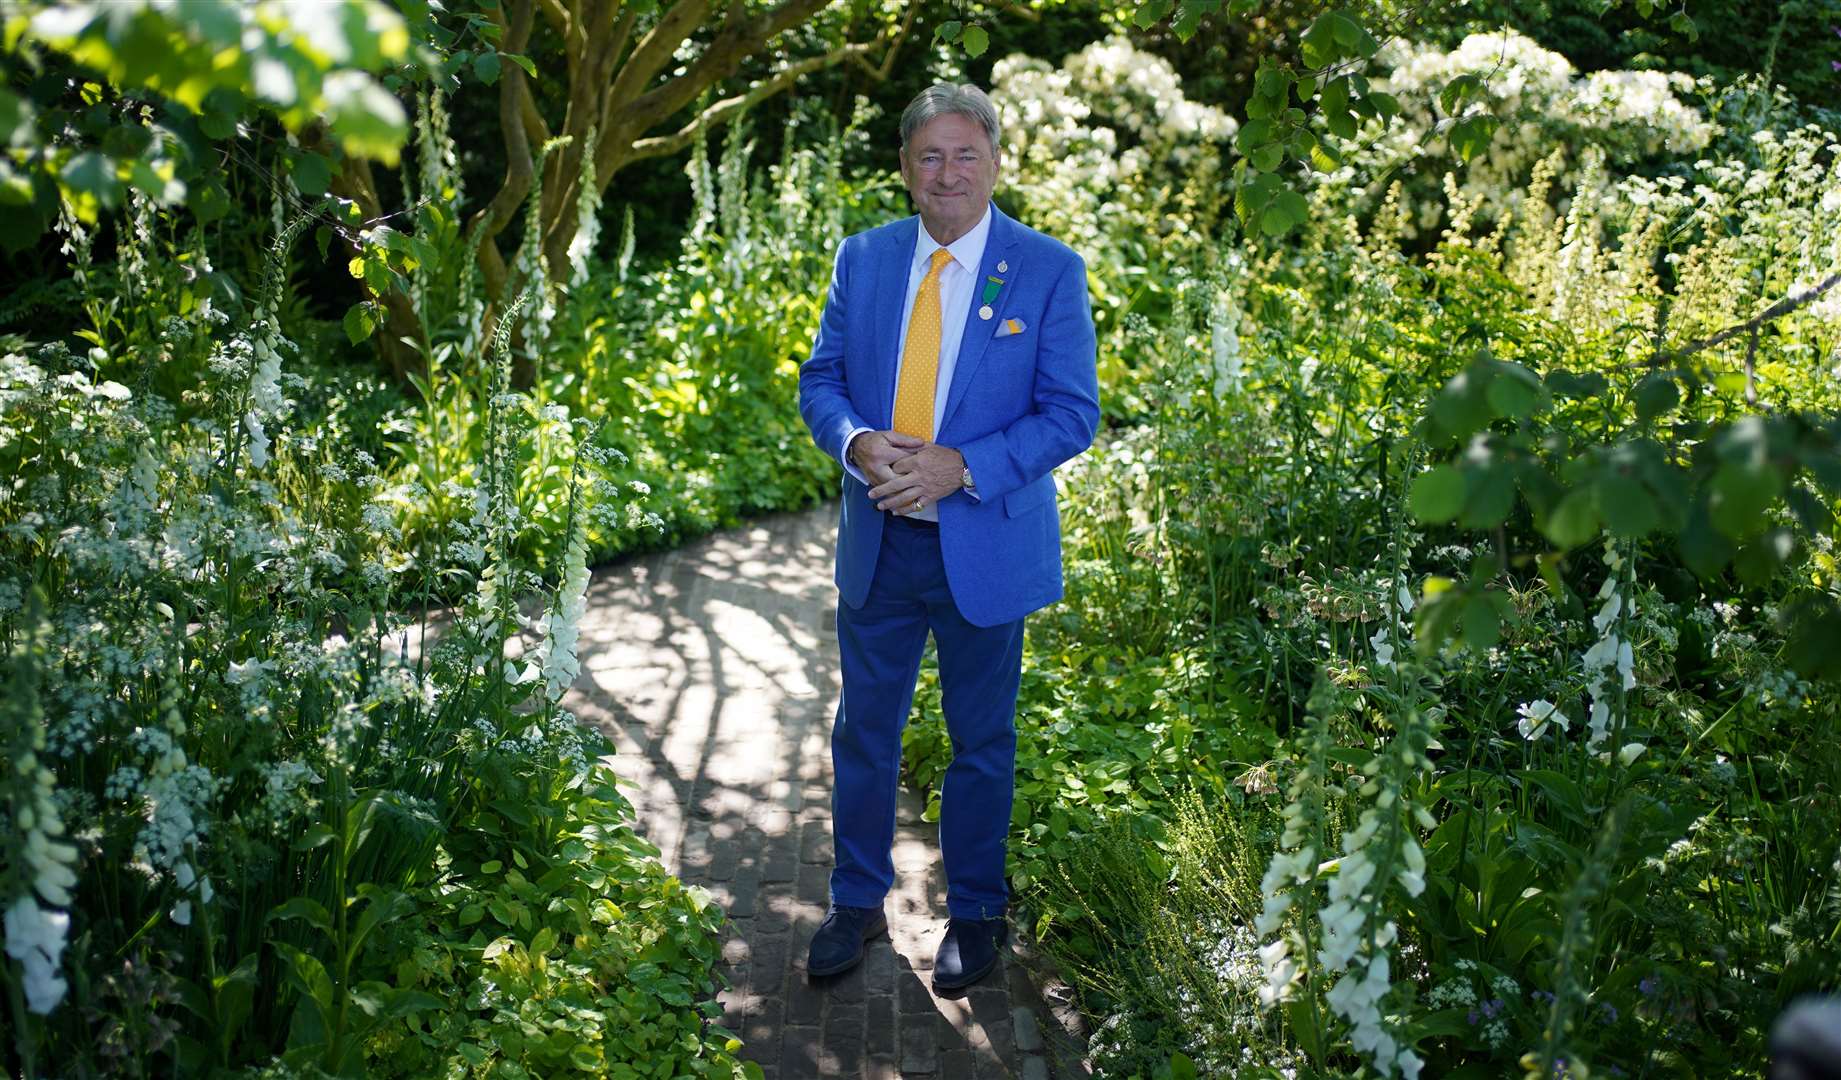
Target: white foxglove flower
1609 612
36 938
1280 970
1409 1064
1412 879
1600 723
561 665
258 440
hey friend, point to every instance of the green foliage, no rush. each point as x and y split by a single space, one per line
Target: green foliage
572 949
692 363
282 782
1401 480
170 80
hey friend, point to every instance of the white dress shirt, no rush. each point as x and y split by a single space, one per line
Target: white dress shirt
958 279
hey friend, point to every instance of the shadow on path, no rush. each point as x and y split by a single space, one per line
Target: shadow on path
714 669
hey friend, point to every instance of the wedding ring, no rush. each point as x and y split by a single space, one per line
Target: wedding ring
920 504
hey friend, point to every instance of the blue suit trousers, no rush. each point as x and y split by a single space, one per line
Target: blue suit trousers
980 668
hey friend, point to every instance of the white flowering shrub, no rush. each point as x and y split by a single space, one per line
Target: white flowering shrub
1107 154
1541 102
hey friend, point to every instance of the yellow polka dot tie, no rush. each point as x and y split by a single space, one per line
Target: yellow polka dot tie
920 359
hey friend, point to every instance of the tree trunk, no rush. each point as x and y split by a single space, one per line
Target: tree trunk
614 91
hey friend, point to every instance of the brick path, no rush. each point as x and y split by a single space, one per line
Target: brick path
714 668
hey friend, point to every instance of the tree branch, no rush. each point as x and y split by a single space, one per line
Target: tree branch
729 108
1775 311
656 49
736 42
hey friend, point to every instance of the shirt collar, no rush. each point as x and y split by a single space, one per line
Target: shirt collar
966 250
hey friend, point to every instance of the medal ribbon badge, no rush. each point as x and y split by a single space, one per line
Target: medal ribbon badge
992 284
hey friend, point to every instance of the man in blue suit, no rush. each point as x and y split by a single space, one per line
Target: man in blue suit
953 370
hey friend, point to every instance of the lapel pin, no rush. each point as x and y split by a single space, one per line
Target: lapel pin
985 312
1003 267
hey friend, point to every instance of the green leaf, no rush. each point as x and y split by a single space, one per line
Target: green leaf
309 976
314 836
1628 509
1273 85
1437 495
16 123
1575 386
1515 392
367 120
1457 92
1654 396
1151 12
1575 520
1738 496
1319 45
1482 624
359 323
949 31
1812 636
486 67
312 174
525 62
93 174
1758 562
1253 135
122 141
976 40
1189 16
1461 406
1492 496
1703 548
302 907
1471 135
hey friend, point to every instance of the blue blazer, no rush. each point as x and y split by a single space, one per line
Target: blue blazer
1018 406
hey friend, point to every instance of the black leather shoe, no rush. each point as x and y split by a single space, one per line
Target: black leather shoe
968 952
838 944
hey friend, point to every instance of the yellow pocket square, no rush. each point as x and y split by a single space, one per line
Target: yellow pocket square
1009 327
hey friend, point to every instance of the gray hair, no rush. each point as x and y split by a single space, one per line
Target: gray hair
941 99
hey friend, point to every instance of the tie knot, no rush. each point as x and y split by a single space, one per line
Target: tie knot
941 257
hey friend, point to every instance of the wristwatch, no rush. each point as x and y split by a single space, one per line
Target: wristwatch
965 479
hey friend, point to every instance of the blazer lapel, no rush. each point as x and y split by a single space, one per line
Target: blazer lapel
1001 247
891 292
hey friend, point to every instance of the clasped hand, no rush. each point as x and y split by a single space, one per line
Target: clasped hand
905 470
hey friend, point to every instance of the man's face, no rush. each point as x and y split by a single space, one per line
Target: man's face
950 169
